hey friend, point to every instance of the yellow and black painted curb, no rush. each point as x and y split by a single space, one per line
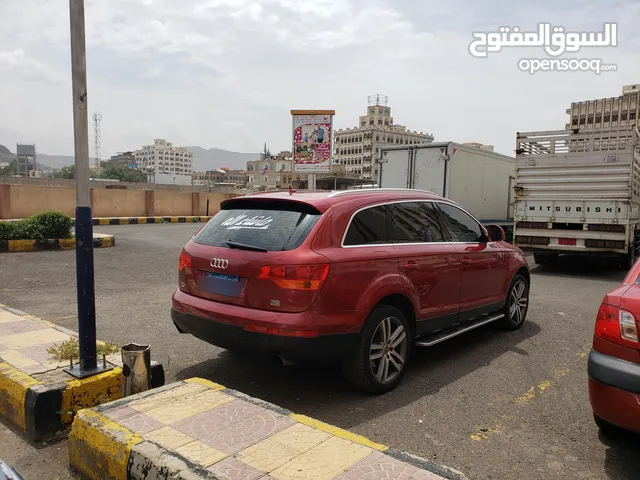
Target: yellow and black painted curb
147 220
102 448
41 409
100 240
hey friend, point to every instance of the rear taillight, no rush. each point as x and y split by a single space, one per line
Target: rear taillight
296 277
616 325
184 262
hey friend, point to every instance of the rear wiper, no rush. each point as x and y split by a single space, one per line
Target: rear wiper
244 246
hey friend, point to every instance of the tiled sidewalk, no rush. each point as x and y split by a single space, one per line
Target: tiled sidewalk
234 437
24 340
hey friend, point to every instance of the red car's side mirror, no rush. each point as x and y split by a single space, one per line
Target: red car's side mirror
496 233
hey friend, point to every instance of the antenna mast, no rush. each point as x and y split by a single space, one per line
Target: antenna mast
97 118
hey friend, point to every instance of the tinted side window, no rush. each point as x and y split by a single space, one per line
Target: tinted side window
461 227
415 222
369 227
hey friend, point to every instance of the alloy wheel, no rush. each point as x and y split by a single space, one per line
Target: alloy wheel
388 351
518 302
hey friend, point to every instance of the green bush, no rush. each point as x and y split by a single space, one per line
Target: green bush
53 224
38 227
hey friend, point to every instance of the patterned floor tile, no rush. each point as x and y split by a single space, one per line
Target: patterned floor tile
267 455
38 337
378 466
20 326
120 413
233 469
38 352
8 317
17 359
168 438
140 423
234 426
324 462
275 451
300 437
424 475
201 454
189 406
164 398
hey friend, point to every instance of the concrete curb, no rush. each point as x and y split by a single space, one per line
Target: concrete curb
100 240
101 447
147 220
42 408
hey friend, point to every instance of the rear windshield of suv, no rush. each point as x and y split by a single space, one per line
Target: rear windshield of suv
272 228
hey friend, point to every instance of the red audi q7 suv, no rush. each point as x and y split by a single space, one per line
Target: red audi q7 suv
359 276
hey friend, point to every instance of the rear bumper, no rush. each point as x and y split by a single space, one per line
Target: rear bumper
226 331
614 390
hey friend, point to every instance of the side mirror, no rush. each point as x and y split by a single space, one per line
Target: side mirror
496 233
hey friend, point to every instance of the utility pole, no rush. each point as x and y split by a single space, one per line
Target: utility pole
83 225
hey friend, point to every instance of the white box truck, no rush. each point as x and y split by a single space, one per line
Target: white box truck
577 192
480 180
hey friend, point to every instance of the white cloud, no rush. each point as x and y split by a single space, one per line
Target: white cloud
225 73
16 63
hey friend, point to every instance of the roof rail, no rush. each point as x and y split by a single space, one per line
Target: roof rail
371 190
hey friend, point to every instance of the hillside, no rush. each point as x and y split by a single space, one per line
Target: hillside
202 159
4 150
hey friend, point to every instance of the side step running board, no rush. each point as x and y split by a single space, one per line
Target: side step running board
436 338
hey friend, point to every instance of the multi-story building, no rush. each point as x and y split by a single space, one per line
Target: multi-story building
481 146
606 112
358 148
123 158
266 173
169 164
212 177
294 179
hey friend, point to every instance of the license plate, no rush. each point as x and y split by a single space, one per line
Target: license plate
220 284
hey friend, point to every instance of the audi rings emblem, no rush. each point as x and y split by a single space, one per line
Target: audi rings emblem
219 263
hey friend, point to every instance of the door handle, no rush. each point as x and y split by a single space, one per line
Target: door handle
411 265
466 261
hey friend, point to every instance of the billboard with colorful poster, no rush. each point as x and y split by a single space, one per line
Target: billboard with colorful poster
312 140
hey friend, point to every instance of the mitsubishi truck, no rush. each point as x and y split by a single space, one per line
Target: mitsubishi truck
577 192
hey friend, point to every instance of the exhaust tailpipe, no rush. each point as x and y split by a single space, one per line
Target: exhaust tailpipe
282 361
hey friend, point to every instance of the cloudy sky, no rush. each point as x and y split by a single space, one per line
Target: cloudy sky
225 73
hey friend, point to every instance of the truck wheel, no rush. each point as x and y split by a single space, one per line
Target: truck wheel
517 304
545 258
380 360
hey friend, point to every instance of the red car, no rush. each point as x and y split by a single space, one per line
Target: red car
614 360
359 276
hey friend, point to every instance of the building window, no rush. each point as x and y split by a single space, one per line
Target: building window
379 121
386 122
377 138
371 121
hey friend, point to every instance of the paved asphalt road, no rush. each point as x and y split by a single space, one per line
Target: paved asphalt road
492 404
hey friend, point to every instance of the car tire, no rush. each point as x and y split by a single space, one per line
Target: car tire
365 368
517 303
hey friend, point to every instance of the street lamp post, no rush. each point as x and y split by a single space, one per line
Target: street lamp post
83 224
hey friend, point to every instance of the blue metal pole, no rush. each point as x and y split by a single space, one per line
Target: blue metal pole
84 227
86 289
